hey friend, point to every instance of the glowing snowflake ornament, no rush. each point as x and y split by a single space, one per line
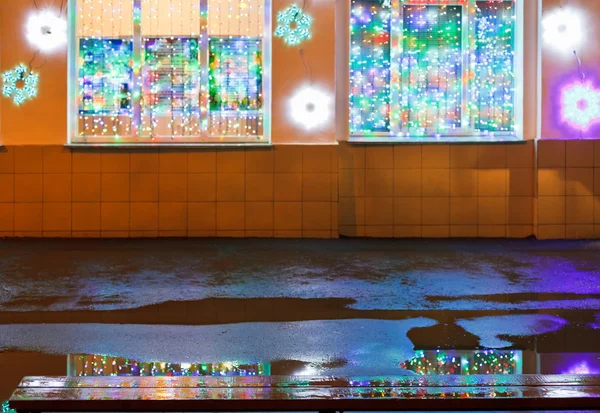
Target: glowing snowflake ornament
310 108
581 105
293 25
563 29
20 84
46 31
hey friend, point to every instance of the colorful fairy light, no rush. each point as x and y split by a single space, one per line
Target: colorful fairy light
563 29
171 86
105 86
46 30
369 67
235 81
309 108
236 69
432 68
20 84
146 69
293 25
580 105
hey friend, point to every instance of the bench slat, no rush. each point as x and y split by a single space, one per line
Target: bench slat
307 398
300 381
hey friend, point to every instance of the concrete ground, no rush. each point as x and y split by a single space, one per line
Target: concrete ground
326 307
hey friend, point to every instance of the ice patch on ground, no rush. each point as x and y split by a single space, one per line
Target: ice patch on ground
489 329
368 345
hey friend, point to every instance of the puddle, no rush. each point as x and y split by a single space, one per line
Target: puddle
297 308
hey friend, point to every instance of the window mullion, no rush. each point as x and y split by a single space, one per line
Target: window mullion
136 92
396 78
203 53
468 23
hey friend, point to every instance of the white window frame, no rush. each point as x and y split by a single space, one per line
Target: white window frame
396 134
74 139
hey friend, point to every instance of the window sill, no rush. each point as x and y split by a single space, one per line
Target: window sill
167 145
440 140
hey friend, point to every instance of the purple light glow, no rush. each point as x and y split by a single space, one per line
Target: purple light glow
581 368
557 123
570 363
580 105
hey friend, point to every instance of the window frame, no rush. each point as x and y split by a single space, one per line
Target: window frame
204 139
396 32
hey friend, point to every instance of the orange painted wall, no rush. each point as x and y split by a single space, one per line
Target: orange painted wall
556 66
45 117
43 121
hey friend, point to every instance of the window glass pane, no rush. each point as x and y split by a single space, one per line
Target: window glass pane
432 69
236 18
170 68
235 68
492 89
235 73
369 67
105 68
166 69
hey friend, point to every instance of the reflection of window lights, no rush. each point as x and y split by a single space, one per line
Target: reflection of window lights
456 362
6 408
581 368
142 71
98 365
446 69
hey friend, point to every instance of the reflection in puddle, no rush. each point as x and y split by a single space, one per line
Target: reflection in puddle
570 363
480 362
6 409
99 365
465 362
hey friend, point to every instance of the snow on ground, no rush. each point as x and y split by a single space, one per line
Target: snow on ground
373 346
489 329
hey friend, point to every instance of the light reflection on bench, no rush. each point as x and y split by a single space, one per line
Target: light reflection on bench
323 394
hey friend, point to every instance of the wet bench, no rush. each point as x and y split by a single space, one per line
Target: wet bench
320 394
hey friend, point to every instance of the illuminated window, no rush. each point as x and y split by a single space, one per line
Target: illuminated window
434 69
170 71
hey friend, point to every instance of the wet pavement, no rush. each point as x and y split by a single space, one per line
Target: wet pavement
343 307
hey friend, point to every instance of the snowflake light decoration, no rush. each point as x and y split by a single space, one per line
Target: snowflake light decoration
293 25
20 84
310 108
563 29
581 105
47 31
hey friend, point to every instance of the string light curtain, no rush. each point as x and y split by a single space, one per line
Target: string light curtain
433 68
170 71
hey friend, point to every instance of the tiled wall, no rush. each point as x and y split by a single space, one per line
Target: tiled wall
569 189
510 190
290 191
437 190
